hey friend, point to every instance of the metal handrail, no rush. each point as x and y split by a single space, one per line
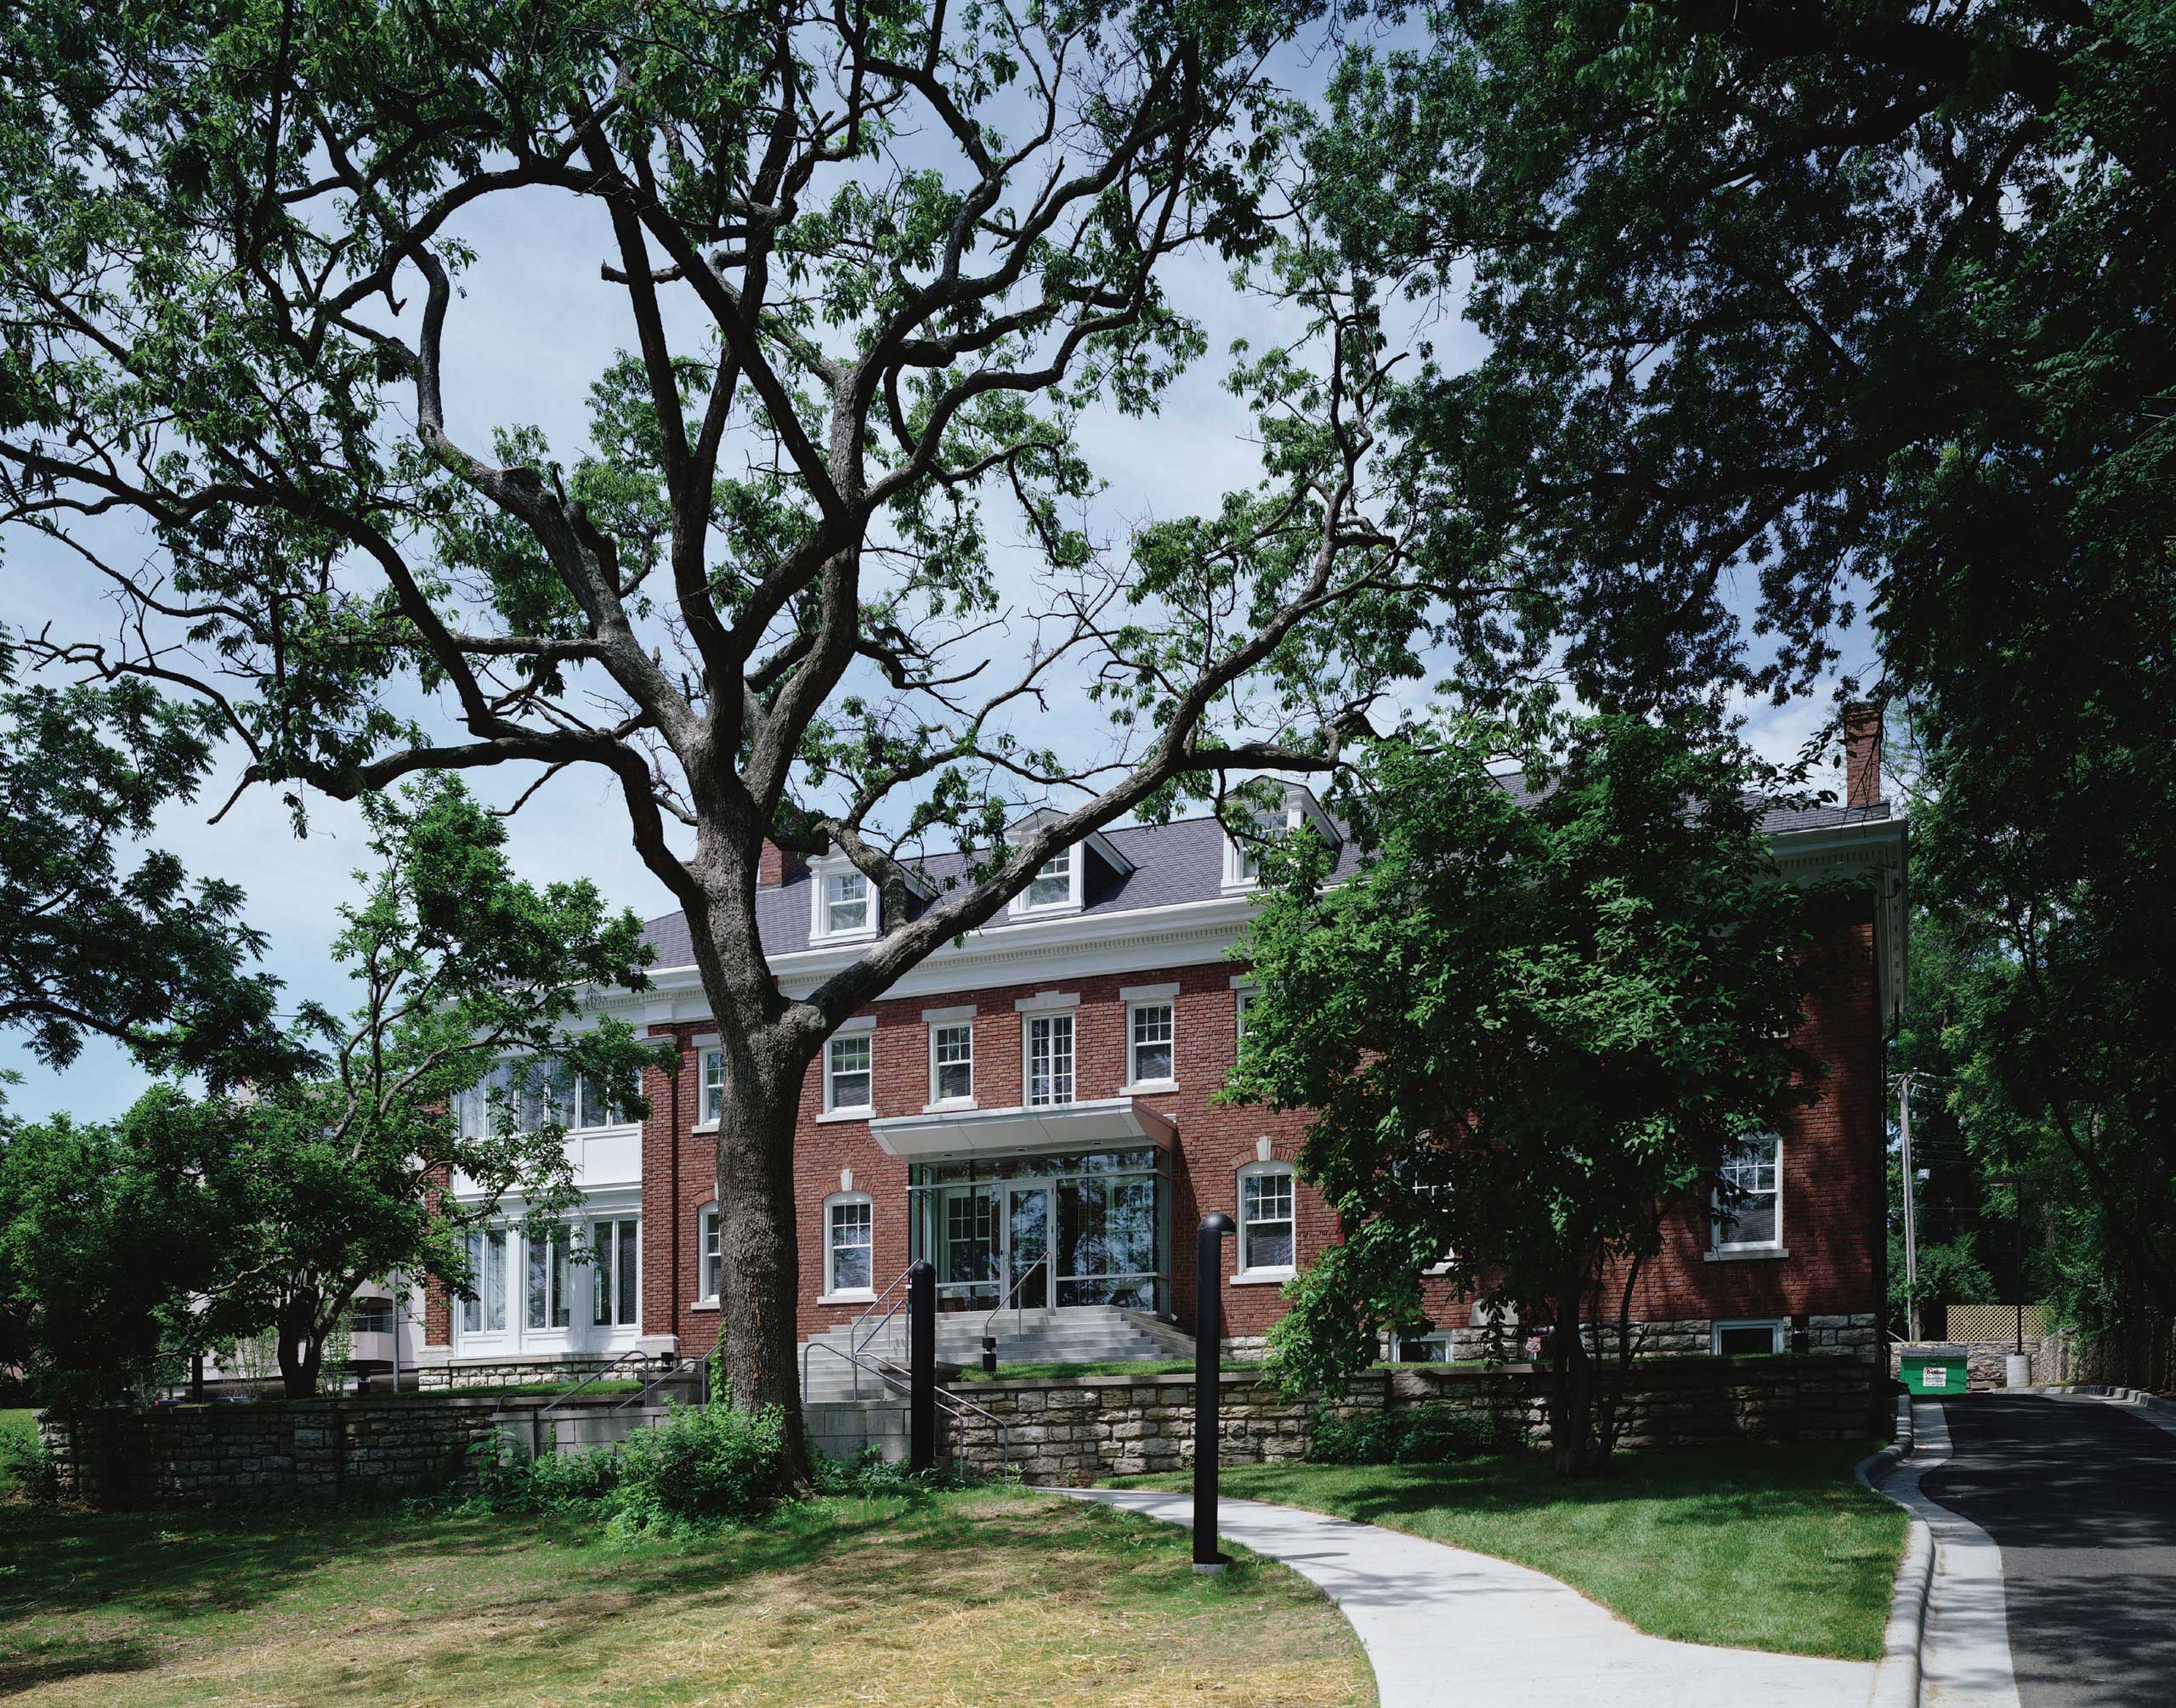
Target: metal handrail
1012 1295
641 1358
949 1402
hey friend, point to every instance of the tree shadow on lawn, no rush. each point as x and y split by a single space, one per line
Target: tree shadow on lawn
148 1584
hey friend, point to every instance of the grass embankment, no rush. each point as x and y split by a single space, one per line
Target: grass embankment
981 1597
1775 1547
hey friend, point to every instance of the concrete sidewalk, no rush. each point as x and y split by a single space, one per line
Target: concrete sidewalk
1441 1625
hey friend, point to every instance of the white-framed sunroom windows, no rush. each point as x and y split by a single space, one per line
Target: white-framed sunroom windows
486 1313
849 1071
1749 1207
615 1292
538 1093
1267 1223
549 1296
1048 1057
849 1245
951 1057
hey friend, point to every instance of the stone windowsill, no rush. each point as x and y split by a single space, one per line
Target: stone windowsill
1752 1254
1263 1278
865 1113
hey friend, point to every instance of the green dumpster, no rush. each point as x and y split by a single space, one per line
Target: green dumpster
1936 1369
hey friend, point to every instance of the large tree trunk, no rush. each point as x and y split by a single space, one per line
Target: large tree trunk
759 1290
302 1350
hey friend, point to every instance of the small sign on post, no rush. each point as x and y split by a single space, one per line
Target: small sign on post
1207 1329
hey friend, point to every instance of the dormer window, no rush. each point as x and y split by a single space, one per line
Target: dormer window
1052 885
1243 848
845 902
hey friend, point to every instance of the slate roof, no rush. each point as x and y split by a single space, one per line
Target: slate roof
1173 863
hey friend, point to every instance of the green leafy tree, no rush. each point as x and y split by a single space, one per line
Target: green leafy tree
90 946
264 1212
875 266
1534 1026
1862 306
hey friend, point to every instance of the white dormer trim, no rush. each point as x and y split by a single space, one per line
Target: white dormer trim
1300 807
1023 906
827 873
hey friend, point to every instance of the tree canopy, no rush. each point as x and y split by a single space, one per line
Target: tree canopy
1542 1016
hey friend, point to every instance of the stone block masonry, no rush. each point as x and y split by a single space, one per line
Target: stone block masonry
129 1458
1079 1430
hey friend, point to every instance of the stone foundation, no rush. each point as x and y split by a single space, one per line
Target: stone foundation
508 1375
1080 1429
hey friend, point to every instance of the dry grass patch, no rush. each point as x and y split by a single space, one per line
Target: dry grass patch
956 1599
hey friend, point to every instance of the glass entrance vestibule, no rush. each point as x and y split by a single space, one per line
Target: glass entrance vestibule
1075 1228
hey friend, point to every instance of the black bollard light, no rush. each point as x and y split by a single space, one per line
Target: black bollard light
921 1365
1208 1326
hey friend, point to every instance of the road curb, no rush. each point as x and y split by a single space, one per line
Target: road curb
1896 1675
2155 1403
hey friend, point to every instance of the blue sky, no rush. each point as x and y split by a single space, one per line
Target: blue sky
535 326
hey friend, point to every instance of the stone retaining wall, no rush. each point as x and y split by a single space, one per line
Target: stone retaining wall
132 1458
508 1375
1079 1429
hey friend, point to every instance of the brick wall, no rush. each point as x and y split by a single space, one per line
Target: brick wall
1832 1181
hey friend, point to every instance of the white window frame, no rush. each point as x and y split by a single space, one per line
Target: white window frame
712 1063
825 873
1242 858
604 1274
1249 1269
951 1023
864 1036
560 1290
709 1253
1134 1009
1401 1342
1073 867
1243 997
1721 1227
832 1291
479 1242
1779 1327
1051 1017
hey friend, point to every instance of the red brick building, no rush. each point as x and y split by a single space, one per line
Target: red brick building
1030 1109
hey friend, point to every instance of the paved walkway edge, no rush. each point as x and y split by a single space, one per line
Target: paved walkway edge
1896 1675
1963 1619
2158 1408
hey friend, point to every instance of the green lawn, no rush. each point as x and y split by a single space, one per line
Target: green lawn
1775 1547
983 1596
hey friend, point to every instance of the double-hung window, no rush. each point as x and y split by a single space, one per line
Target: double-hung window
1052 885
849 1244
845 903
846 1071
1265 1223
713 1085
1050 1058
952 1061
1148 1059
711 1246
615 1284
1749 1210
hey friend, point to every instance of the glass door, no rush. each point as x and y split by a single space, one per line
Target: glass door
1027 1228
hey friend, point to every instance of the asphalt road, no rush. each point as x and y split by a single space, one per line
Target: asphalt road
2080 1497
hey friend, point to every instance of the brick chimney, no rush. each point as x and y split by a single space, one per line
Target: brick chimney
774 865
1861 754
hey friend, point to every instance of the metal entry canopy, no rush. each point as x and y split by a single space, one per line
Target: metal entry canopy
1100 1124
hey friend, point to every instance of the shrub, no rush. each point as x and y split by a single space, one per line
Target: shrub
701 1465
24 1465
1413 1435
869 1473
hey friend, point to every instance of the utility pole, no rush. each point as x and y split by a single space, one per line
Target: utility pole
1911 1222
